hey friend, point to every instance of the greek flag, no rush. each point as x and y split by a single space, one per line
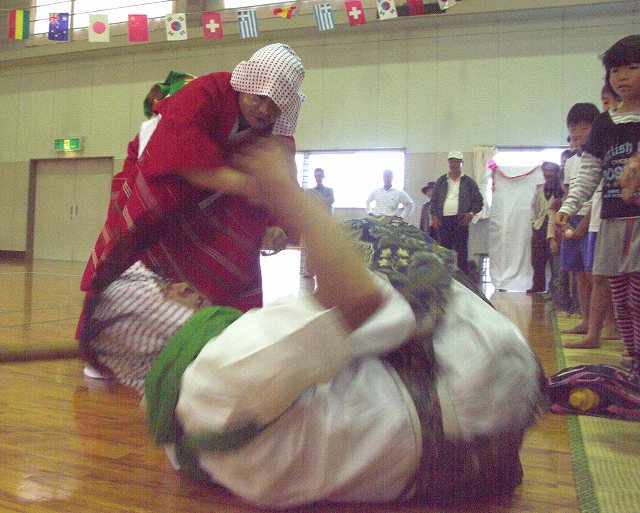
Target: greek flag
248 23
324 18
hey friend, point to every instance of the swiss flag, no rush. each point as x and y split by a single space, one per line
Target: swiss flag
355 12
212 25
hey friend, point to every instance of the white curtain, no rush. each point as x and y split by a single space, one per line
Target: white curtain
481 174
510 227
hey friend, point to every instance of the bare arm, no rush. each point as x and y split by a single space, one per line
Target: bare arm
583 187
407 205
266 175
369 200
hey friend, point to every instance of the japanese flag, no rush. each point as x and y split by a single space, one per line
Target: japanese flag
98 28
355 12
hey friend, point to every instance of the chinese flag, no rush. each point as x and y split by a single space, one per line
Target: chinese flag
212 25
138 28
355 12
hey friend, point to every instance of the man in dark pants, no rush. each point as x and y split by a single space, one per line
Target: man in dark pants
456 199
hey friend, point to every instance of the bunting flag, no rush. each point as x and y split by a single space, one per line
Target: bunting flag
445 4
212 25
416 7
387 9
138 28
98 28
284 12
324 16
18 24
176 25
59 26
355 12
248 23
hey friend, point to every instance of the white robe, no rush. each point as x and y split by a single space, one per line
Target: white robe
345 430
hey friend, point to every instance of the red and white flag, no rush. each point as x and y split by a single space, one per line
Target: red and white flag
355 12
98 28
138 28
212 25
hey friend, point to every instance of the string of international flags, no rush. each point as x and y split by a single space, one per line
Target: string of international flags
212 25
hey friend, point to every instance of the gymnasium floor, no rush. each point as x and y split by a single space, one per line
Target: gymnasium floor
74 445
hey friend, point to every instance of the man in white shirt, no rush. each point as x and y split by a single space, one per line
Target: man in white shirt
388 200
456 199
352 394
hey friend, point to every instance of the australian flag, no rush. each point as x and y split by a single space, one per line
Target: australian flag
59 26
248 23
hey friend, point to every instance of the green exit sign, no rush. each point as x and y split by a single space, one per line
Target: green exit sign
71 144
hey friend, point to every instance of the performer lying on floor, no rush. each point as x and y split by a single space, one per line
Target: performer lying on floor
132 320
356 393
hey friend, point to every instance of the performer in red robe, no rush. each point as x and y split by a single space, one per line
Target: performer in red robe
161 210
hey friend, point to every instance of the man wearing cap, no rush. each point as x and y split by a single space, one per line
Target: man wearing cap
456 199
387 199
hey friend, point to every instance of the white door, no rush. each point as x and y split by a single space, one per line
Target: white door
72 196
93 188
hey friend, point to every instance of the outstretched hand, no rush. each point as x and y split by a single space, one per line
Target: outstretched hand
264 172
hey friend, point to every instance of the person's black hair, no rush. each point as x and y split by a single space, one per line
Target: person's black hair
582 113
556 186
321 171
428 187
567 153
624 52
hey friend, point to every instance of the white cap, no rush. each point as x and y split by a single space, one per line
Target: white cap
455 155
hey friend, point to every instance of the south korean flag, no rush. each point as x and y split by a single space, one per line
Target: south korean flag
387 9
176 25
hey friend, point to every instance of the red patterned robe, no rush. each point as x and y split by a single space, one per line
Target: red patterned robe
177 230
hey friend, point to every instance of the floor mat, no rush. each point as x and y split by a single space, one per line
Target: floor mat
605 453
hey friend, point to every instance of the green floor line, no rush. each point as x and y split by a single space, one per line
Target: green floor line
587 499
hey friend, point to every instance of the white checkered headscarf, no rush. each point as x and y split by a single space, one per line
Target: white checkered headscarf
275 71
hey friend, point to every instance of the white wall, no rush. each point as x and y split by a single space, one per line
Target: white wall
425 84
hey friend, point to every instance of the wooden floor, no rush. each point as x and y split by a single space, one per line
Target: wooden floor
74 445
